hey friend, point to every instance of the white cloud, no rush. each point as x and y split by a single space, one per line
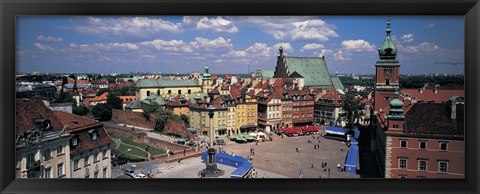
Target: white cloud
312 47
218 24
341 56
123 26
407 38
287 47
167 45
422 48
357 46
430 26
324 52
291 27
43 47
218 44
49 38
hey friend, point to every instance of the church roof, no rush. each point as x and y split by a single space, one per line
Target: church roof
158 83
433 118
268 73
337 83
313 69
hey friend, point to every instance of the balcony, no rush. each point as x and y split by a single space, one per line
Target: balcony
33 166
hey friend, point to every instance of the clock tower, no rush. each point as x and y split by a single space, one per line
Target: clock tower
387 71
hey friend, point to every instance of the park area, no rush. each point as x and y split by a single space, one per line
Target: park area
130 150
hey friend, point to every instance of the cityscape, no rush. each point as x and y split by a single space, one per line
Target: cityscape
240 97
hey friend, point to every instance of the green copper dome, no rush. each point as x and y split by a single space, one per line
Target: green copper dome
388 49
396 103
206 75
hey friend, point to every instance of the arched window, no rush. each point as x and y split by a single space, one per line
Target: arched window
158 92
148 93
189 91
179 92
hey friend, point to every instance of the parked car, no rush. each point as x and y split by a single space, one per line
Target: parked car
140 175
129 172
118 161
192 143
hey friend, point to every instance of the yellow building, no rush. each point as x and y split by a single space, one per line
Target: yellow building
178 106
165 88
200 120
246 114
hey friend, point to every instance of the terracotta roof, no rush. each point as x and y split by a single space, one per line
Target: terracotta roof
429 94
76 122
258 85
178 102
332 94
127 99
27 111
102 97
85 142
71 81
235 92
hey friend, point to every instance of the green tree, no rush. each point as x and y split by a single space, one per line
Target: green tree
114 101
65 97
102 112
351 110
102 90
185 120
148 109
80 110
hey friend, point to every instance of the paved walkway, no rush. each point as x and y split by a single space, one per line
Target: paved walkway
148 131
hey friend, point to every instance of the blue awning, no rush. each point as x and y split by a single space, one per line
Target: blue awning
356 133
243 166
351 160
335 130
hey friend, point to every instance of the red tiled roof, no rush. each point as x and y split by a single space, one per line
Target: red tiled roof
126 99
76 122
86 143
177 102
27 111
442 95
102 97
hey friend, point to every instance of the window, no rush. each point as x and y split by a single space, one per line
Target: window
104 154
94 136
74 141
85 161
422 144
422 165
443 146
31 157
95 157
59 150
75 164
95 174
402 176
60 170
402 163
47 153
403 143
148 93
442 166
104 172
48 172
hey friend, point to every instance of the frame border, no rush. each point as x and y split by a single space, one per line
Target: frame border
10 8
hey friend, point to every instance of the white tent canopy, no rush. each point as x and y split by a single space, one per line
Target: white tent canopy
253 134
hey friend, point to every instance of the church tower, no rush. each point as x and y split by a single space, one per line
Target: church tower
206 81
387 71
281 70
395 115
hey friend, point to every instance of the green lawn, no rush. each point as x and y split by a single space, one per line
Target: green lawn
153 151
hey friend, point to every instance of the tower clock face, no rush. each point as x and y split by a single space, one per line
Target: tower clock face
388 73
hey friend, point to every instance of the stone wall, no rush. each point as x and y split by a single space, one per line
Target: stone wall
133 118
177 128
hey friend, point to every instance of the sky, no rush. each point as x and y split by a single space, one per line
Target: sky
233 44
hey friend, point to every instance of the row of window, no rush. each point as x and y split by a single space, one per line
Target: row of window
169 92
47 154
86 159
303 116
422 165
48 171
422 144
273 108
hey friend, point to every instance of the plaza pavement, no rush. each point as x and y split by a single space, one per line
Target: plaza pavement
272 159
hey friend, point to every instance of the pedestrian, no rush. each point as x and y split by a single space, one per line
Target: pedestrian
341 149
256 143
338 166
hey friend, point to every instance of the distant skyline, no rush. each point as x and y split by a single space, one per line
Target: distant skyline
175 44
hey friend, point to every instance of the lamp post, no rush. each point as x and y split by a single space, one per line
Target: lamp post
211 164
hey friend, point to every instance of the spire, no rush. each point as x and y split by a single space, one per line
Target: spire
281 51
388 49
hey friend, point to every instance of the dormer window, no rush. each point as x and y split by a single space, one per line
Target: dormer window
74 141
94 136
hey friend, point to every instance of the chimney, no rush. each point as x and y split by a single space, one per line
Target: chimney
454 110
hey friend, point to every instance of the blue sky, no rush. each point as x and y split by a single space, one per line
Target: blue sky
184 44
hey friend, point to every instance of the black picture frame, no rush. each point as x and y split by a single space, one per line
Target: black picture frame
10 8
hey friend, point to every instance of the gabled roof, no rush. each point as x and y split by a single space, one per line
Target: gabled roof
160 83
295 74
75 122
27 111
313 69
178 102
